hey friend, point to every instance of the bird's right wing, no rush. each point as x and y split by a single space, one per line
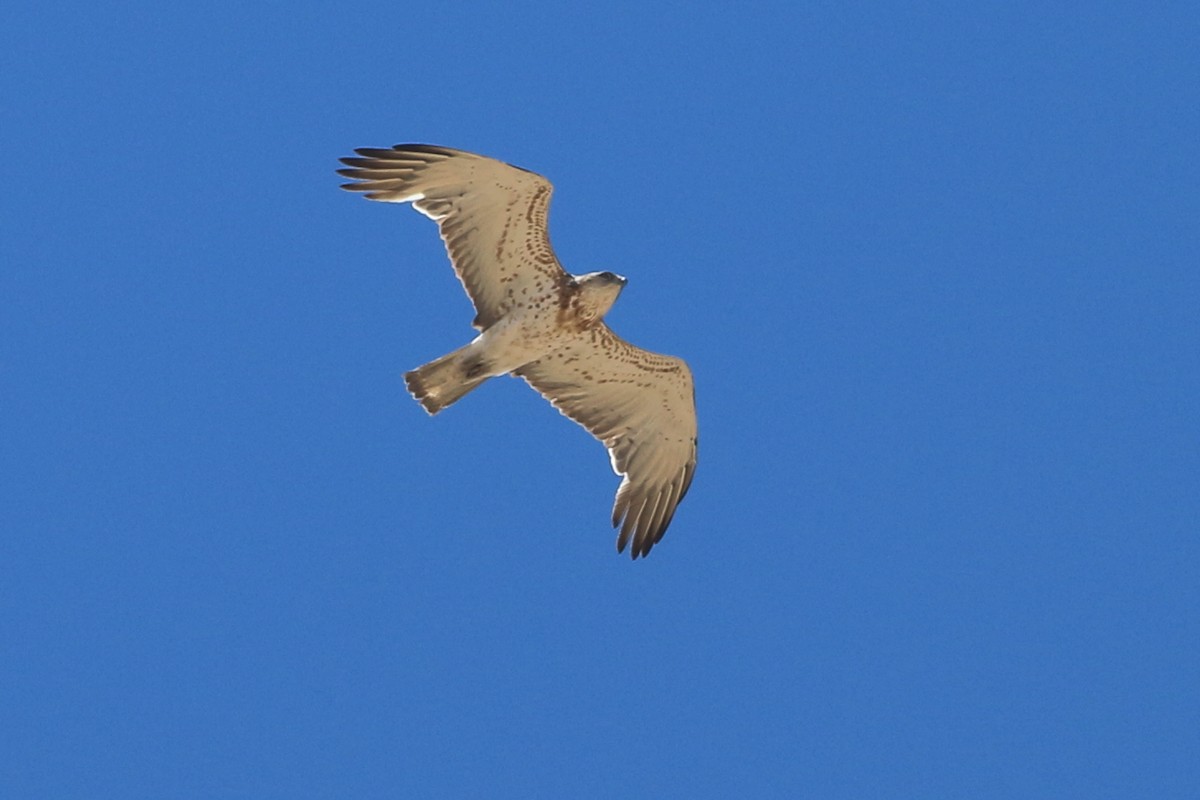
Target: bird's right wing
642 406
492 217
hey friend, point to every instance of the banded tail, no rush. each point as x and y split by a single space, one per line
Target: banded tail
443 381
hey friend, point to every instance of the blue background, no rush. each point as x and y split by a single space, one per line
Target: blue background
934 266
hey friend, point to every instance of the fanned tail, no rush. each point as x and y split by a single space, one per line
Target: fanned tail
443 381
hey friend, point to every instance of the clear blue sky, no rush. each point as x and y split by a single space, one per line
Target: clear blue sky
934 268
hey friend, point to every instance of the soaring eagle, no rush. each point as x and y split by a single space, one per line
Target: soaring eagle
543 324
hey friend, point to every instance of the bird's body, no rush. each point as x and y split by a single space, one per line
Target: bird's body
543 324
529 331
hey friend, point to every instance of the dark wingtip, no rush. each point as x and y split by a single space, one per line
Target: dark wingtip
432 149
622 540
641 546
644 550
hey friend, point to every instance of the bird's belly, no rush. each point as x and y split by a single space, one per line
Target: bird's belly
515 341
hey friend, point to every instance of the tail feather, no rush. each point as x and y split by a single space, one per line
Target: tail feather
444 380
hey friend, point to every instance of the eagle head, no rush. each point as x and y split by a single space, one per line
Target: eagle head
597 293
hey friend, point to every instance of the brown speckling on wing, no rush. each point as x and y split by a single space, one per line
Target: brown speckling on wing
641 405
492 217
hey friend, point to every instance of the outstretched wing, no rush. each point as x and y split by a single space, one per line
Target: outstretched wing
642 406
492 217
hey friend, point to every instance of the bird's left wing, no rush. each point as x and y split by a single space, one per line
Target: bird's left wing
641 405
492 217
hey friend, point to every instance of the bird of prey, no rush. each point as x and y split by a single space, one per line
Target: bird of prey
543 324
